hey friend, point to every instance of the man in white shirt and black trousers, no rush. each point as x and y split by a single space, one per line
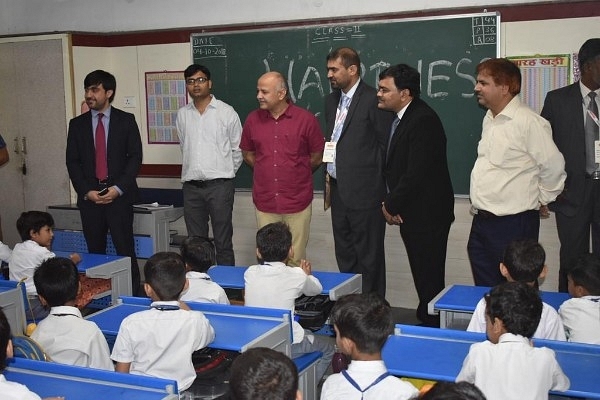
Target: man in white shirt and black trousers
518 169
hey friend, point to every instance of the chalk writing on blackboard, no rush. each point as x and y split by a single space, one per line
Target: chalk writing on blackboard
484 30
336 33
208 47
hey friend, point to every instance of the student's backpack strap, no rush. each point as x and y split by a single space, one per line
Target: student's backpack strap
26 347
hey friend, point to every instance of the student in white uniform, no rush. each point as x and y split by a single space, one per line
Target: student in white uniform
507 366
524 261
160 341
581 314
199 255
362 324
273 284
64 335
12 390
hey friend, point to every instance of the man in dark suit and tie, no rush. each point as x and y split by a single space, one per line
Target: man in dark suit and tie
356 133
420 198
104 154
573 112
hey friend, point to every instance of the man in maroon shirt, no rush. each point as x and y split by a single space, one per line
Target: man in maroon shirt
283 143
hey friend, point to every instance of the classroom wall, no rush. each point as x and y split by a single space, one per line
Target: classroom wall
517 38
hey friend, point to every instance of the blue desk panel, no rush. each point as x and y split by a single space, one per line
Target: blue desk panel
335 284
89 260
465 298
236 328
77 383
438 354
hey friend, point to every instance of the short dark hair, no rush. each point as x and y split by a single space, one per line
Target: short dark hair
33 221
198 253
165 273
453 391
263 373
588 52
194 68
57 281
348 57
4 338
405 77
273 241
366 319
517 305
504 72
585 272
524 259
97 77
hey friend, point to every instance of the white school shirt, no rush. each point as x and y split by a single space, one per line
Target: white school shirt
5 252
518 165
550 326
67 338
581 318
202 289
337 387
25 259
513 369
16 391
276 285
160 343
210 142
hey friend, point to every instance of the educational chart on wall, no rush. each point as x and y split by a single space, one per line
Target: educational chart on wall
445 50
165 94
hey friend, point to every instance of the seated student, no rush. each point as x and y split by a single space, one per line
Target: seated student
160 341
5 253
12 390
524 261
265 374
581 314
453 391
273 284
199 255
362 324
64 335
35 229
507 366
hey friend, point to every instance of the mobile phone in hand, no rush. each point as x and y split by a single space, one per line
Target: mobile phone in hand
103 192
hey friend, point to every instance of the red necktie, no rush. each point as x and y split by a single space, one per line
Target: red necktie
101 167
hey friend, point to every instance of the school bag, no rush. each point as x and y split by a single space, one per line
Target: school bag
313 311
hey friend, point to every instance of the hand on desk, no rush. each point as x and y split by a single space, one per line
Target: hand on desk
389 218
76 258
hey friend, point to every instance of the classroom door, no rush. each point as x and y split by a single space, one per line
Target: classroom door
35 88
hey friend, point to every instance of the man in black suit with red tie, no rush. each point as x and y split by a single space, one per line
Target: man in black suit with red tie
354 153
104 155
420 198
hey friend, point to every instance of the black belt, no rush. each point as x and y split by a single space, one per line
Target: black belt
594 175
485 214
210 182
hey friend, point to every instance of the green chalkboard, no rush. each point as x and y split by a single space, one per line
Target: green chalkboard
445 50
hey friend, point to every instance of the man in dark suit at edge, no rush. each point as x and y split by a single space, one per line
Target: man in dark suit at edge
112 209
356 132
577 208
420 198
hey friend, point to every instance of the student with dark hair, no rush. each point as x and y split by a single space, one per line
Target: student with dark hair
507 366
265 374
160 341
453 391
198 254
64 335
35 229
273 284
581 314
524 261
363 323
12 390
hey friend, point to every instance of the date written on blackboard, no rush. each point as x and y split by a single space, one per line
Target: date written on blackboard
208 47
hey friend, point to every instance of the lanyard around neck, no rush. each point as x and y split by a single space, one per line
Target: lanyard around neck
362 391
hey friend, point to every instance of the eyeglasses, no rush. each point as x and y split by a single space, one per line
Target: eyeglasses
192 81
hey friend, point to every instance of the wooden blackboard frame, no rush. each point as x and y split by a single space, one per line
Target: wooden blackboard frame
446 49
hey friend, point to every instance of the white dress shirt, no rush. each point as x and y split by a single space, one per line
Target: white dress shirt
16 391
518 165
25 258
202 289
581 317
